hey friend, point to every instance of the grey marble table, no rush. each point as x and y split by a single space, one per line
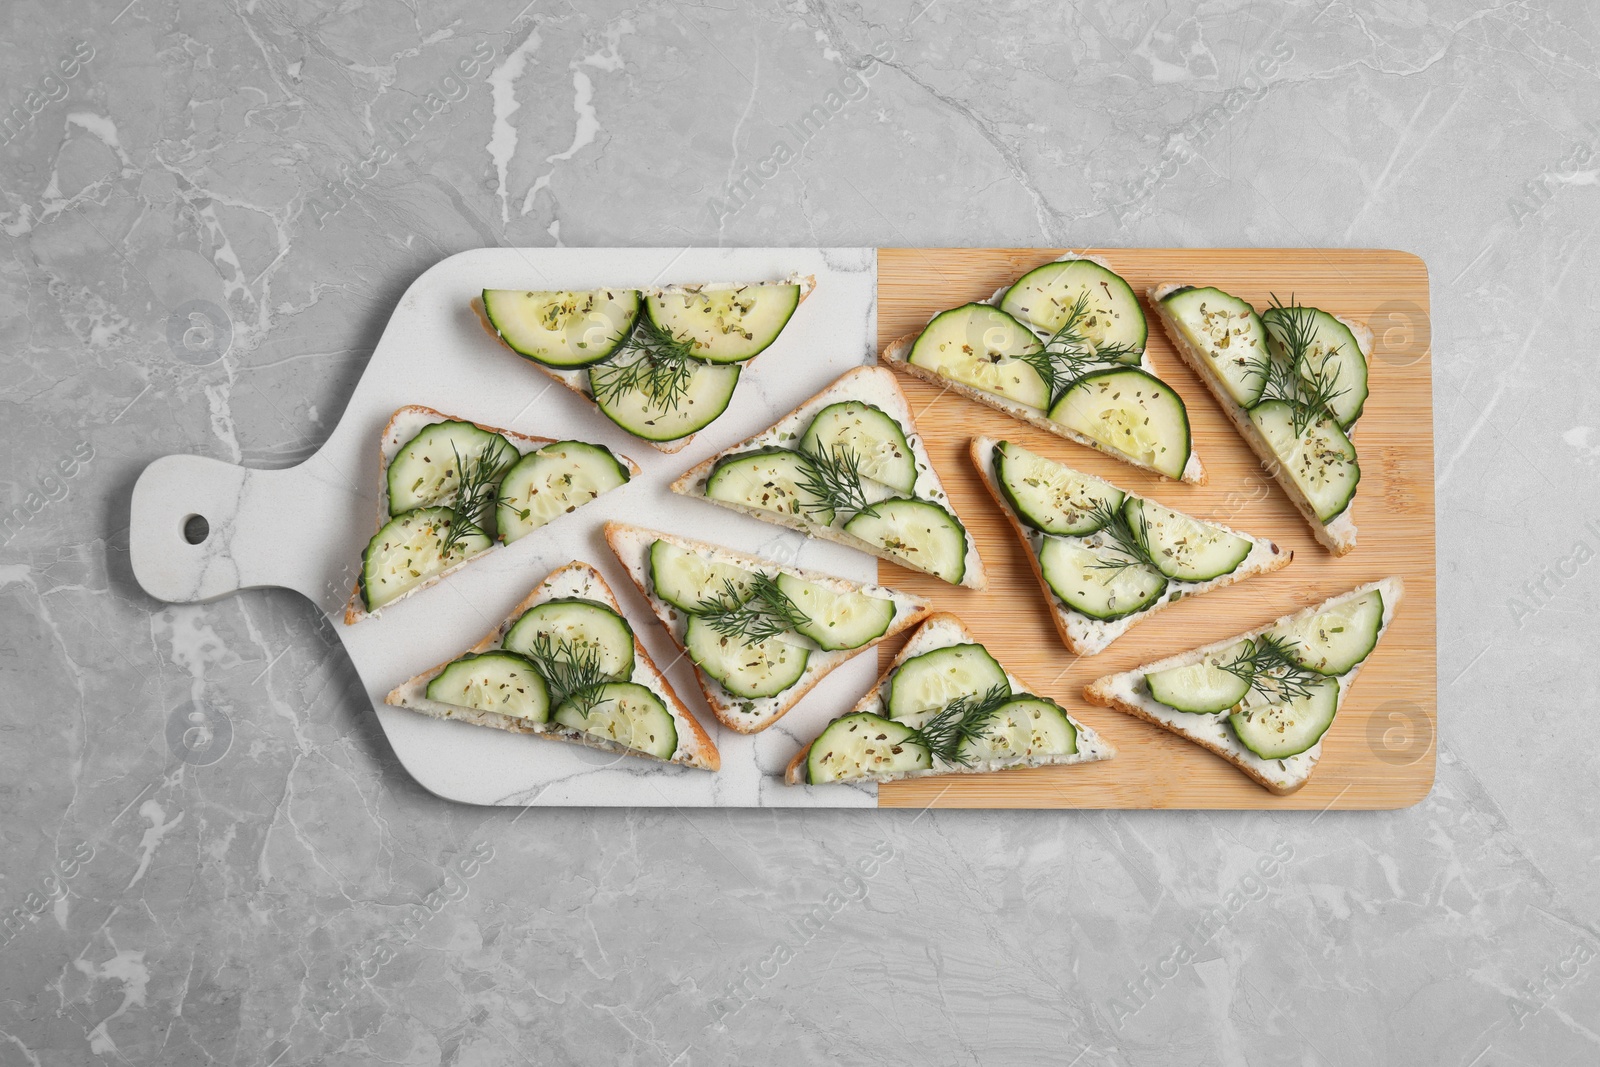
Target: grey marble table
207 852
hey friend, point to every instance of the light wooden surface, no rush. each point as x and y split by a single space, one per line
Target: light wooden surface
1380 752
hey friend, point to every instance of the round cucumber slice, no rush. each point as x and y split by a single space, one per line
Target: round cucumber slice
409 549
1331 352
877 440
709 390
1333 641
502 682
1281 730
562 329
1077 574
769 479
837 620
864 746
1022 729
684 579
1186 549
1228 333
570 627
558 478
1046 297
1321 461
921 534
1132 413
1049 497
424 471
978 345
1202 688
932 680
745 669
626 713
726 325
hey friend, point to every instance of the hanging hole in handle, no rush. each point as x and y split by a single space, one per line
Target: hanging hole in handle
196 529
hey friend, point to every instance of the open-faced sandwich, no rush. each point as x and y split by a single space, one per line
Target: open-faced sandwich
1062 349
847 466
565 665
451 490
945 706
1293 380
660 363
759 634
1108 559
1262 700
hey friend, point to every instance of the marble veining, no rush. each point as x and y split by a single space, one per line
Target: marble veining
210 852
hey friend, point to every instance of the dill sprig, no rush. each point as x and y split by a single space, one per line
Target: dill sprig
651 361
1270 668
835 478
1309 391
766 612
476 491
569 670
1131 542
960 721
1068 354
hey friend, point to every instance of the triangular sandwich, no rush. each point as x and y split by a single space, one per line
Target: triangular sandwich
760 634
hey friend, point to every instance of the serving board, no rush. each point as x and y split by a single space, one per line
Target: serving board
1379 753
435 352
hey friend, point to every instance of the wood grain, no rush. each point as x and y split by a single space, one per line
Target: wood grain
1380 751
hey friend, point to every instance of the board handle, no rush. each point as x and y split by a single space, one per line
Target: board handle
200 529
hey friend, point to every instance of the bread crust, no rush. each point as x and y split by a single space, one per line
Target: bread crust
1101 691
616 533
808 284
1339 542
1059 614
975 577
355 610
895 354
701 752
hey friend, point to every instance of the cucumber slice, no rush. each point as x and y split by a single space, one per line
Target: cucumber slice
1022 728
769 479
934 679
502 682
408 550
1332 353
709 391
1228 333
745 669
1132 413
562 329
872 435
626 713
924 535
1045 296
838 621
1278 731
574 625
558 478
1048 496
1321 462
423 472
978 345
864 746
683 579
726 325
1333 641
1185 549
1078 576
1203 688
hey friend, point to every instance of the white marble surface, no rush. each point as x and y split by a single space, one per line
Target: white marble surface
210 210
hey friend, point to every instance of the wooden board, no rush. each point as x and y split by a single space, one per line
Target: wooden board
1380 751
